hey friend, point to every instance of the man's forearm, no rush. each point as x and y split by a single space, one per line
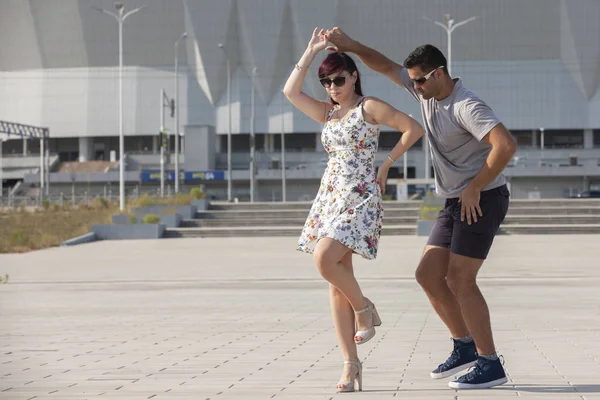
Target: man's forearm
495 163
372 58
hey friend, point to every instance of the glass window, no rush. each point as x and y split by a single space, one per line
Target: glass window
596 137
524 138
297 141
562 139
388 140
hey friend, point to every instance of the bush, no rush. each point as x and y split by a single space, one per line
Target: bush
45 204
133 219
145 201
151 219
48 240
19 237
25 231
197 193
178 200
101 202
430 207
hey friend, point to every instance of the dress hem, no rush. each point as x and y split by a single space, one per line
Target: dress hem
308 250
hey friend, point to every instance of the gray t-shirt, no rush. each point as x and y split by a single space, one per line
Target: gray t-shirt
454 127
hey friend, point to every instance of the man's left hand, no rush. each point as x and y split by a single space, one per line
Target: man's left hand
469 201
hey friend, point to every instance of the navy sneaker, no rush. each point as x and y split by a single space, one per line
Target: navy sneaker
485 374
462 357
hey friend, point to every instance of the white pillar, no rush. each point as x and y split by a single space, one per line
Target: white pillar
588 139
85 145
1 165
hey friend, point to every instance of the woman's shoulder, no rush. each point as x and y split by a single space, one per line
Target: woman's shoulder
369 106
372 101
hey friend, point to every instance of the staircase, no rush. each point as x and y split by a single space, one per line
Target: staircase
557 216
280 219
225 219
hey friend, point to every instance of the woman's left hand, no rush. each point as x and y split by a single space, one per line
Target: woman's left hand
382 174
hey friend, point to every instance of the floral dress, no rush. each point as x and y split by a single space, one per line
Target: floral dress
348 205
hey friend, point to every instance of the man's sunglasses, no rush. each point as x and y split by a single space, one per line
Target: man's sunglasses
423 79
338 81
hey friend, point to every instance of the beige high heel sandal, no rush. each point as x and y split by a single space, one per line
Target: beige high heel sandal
349 385
375 321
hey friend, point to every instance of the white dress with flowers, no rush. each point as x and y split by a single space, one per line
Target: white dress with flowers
348 205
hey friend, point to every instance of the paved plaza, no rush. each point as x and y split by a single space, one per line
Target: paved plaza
248 318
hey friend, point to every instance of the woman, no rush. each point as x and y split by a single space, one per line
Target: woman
346 215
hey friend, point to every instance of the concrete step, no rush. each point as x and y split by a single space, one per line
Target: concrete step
296 205
553 211
517 203
550 229
282 214
551 219
267 231
261 221
387 230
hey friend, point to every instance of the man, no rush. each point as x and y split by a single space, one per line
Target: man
469 149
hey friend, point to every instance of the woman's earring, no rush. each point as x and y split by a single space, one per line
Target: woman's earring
354 87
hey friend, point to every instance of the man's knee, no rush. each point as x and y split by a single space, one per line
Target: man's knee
422 277
432 269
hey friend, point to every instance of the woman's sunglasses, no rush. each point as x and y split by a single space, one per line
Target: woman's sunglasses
338 81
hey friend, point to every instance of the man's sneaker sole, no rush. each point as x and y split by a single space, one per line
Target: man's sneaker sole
452 371
485 385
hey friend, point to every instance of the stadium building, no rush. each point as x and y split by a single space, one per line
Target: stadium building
535 62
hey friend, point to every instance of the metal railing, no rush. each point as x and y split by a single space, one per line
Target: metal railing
76 196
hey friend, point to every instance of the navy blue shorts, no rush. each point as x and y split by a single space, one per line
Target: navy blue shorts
473 240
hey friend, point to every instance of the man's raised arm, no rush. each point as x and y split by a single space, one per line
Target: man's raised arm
370 57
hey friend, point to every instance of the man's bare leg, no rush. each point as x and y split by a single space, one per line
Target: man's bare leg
462 281
431 275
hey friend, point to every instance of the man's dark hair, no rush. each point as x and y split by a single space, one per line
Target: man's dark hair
427 57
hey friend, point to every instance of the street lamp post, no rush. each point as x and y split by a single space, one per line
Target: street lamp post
162 147
405 161
427 168
121 16
1 164
252 140
449 27
229 182
283 183
183 36
542 145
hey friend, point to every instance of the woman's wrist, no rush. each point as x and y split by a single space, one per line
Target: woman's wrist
311 53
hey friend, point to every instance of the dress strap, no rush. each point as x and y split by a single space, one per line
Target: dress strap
330 113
